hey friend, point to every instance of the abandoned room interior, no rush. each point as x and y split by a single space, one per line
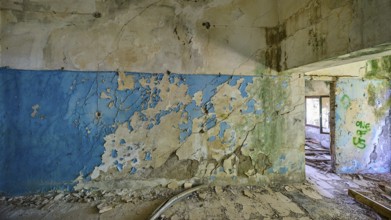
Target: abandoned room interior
195 109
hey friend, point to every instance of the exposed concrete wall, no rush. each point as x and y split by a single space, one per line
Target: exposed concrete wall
108 129
317 88
206 36
316 30
362 140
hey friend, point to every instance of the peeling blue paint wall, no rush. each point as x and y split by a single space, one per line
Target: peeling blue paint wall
56 126
65 137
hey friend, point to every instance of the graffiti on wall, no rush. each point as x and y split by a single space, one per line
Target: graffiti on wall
345 100
359 127
362 129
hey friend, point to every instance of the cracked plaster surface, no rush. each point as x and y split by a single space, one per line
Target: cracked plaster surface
214 124
123 126
145 36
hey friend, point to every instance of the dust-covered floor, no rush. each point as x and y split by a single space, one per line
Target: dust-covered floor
322 196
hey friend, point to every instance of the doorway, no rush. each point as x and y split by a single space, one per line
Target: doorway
317 125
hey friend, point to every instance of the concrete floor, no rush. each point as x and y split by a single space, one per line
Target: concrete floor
322 196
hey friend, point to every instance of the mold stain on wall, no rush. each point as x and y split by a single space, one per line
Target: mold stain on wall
85 129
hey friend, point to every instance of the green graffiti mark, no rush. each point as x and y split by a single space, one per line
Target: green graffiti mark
363 129
359 142
363 125
345 100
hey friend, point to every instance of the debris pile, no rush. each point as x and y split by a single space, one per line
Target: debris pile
104 200
316 155
377 195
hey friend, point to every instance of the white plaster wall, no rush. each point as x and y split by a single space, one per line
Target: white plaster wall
210 36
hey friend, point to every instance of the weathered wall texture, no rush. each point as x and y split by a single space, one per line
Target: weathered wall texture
109 129
103 129
115 129
354 69
315 30
183 36
317 88
190 36
363 116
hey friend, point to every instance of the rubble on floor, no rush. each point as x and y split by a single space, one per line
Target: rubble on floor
322 196
373 186
316 155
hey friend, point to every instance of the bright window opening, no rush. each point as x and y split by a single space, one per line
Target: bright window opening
317 112
312 111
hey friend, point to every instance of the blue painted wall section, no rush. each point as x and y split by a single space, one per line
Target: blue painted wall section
56 126
50 149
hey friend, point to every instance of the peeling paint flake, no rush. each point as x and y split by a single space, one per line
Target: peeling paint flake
217 127
35 110
125 81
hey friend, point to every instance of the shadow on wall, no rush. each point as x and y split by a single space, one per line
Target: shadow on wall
148 36
232 30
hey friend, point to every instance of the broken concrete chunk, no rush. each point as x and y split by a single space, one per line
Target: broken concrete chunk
187 185
289 188
172 185
58 197
202 195
108 194
103 207
248 193
44 202
218 189
126 199
121 192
